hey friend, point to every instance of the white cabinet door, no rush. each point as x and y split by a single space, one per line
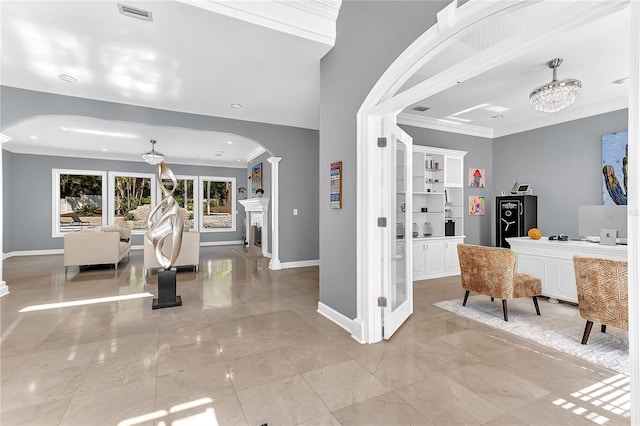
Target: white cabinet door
452 265
453 171
435 257
419 260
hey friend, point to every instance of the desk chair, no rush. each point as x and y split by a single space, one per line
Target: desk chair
603 295
492 271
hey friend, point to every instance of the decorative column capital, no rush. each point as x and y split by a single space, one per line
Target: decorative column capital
274 160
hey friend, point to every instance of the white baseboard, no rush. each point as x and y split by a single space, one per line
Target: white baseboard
4 289
219 243
340 320
31 253
299 264
275 265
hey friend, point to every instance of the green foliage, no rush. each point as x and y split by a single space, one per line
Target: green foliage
87 210
79 185
129 216
131 192
190 217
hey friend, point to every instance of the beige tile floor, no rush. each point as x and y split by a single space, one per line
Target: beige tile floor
248 347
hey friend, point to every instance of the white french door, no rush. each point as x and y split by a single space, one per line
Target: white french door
397 283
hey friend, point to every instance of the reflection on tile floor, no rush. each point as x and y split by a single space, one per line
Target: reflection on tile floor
248 347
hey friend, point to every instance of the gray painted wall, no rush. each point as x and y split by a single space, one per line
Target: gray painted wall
370 36
27 205
297 147
479 156
563 163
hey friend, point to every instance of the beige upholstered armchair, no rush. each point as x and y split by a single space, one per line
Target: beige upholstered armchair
492 271
602 293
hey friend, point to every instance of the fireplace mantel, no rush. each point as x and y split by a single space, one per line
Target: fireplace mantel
255 204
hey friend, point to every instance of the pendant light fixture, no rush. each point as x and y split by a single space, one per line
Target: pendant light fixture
153 157
556 95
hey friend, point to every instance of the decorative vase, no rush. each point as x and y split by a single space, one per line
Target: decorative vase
428 229
414 229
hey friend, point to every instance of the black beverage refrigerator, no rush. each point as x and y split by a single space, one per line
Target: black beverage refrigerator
515 215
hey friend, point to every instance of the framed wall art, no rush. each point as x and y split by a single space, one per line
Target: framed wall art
476 178
476 205
336 185
615 151
256 177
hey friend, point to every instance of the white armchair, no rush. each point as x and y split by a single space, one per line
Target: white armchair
189 252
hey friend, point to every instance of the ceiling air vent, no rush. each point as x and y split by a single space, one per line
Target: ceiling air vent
133 12
420 108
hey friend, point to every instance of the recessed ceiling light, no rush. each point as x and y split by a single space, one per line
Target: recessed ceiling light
230 142
234 105
624 80
33 137
67 78
239 160
104 150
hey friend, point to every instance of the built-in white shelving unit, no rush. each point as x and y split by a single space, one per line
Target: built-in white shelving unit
438 211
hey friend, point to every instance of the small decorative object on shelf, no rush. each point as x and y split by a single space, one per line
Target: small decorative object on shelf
399 230
259 192
414 229
428 229
534 233
449 228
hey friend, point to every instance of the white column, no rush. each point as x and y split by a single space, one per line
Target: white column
4 289
275 237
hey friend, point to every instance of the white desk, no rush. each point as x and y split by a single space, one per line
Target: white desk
552 262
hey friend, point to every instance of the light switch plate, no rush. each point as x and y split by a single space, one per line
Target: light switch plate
295 212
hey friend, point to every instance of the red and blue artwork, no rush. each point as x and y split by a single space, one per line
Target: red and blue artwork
476 178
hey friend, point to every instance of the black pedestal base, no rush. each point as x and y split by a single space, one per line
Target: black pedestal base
167 297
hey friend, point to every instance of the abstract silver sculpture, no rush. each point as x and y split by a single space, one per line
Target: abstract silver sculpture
165 221
169 222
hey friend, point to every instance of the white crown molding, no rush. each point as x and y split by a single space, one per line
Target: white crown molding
255 153
432 123
30 150
314 20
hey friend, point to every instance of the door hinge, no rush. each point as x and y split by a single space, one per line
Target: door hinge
382 222
382 142
382 302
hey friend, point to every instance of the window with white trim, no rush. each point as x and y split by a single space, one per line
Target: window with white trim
131 199
79 200
186 195
217 204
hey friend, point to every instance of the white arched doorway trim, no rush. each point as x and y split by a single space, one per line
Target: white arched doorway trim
383 104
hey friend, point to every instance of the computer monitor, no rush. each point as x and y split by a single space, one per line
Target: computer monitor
591 219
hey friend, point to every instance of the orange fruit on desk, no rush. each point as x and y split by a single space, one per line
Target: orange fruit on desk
535 233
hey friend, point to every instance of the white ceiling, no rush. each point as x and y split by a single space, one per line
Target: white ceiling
190 59
596 53
196 57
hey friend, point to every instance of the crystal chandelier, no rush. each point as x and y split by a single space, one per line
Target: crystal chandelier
556 95
153 156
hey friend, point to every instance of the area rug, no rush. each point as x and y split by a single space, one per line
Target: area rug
559 327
